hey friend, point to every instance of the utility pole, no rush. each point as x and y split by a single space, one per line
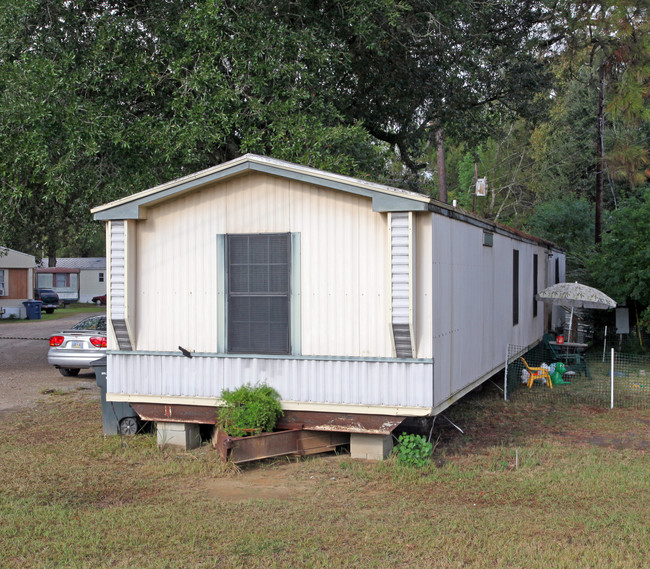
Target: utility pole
600 133
442 169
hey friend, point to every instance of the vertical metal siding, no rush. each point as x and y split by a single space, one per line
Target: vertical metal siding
423 286
345 382
472 303
344 281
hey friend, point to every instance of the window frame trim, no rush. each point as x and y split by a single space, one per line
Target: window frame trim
5 281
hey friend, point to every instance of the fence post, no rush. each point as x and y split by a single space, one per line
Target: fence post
505 375
612 379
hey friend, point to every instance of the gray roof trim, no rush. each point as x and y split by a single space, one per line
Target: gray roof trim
384 198
131 209
381 201
486 225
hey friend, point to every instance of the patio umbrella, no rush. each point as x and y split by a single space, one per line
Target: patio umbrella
575 295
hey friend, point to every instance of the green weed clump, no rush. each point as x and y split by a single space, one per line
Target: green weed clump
250 410
413 450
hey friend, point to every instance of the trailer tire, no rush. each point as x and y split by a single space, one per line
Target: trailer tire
129 426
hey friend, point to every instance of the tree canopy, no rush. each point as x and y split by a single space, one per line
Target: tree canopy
99 98
548 99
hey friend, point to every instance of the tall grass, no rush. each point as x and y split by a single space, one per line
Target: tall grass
527 486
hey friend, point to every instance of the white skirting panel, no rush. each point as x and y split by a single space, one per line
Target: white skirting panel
399 383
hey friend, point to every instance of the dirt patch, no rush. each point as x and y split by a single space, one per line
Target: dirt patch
288 480
274 484
634 441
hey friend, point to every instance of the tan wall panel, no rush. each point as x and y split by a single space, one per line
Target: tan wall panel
343 246
89 285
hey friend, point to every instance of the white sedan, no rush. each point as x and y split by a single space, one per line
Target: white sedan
75 349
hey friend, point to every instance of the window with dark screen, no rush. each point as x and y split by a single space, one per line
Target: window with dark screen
535 276
515 287
258 293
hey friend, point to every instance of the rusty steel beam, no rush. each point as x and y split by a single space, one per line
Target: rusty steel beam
310 420
280 443
177 413
342 422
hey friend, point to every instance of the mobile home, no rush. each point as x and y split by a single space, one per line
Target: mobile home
16 282
361 304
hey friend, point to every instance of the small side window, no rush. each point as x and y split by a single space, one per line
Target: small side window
515 287
535 275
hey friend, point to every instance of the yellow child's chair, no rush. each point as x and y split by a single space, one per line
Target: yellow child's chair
537 373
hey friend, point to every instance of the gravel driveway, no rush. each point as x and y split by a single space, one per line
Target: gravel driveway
24 371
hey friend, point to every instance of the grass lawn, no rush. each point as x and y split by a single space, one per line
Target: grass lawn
78 309
631 384
527 485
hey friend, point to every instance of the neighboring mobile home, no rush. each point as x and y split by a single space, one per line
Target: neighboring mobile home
361 304
16 282
75 279
62 280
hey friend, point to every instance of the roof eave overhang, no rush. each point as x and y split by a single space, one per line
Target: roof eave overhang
486 225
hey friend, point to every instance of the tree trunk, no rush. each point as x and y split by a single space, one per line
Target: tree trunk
51 253
442 169
600 133
474 188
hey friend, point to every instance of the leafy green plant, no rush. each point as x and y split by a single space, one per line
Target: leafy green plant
249 410
413 450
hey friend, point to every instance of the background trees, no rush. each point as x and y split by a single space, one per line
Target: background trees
102 98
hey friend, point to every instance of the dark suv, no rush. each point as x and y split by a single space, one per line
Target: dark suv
48 297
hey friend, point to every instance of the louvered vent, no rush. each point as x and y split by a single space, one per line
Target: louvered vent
401 284
117 285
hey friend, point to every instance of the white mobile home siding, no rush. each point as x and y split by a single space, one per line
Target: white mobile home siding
90 284
473 303
351 245
344 289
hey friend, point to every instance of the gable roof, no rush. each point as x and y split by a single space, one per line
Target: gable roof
12 259
384 198
83 263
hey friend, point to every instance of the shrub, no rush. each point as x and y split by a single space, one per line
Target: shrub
249 410
413 450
